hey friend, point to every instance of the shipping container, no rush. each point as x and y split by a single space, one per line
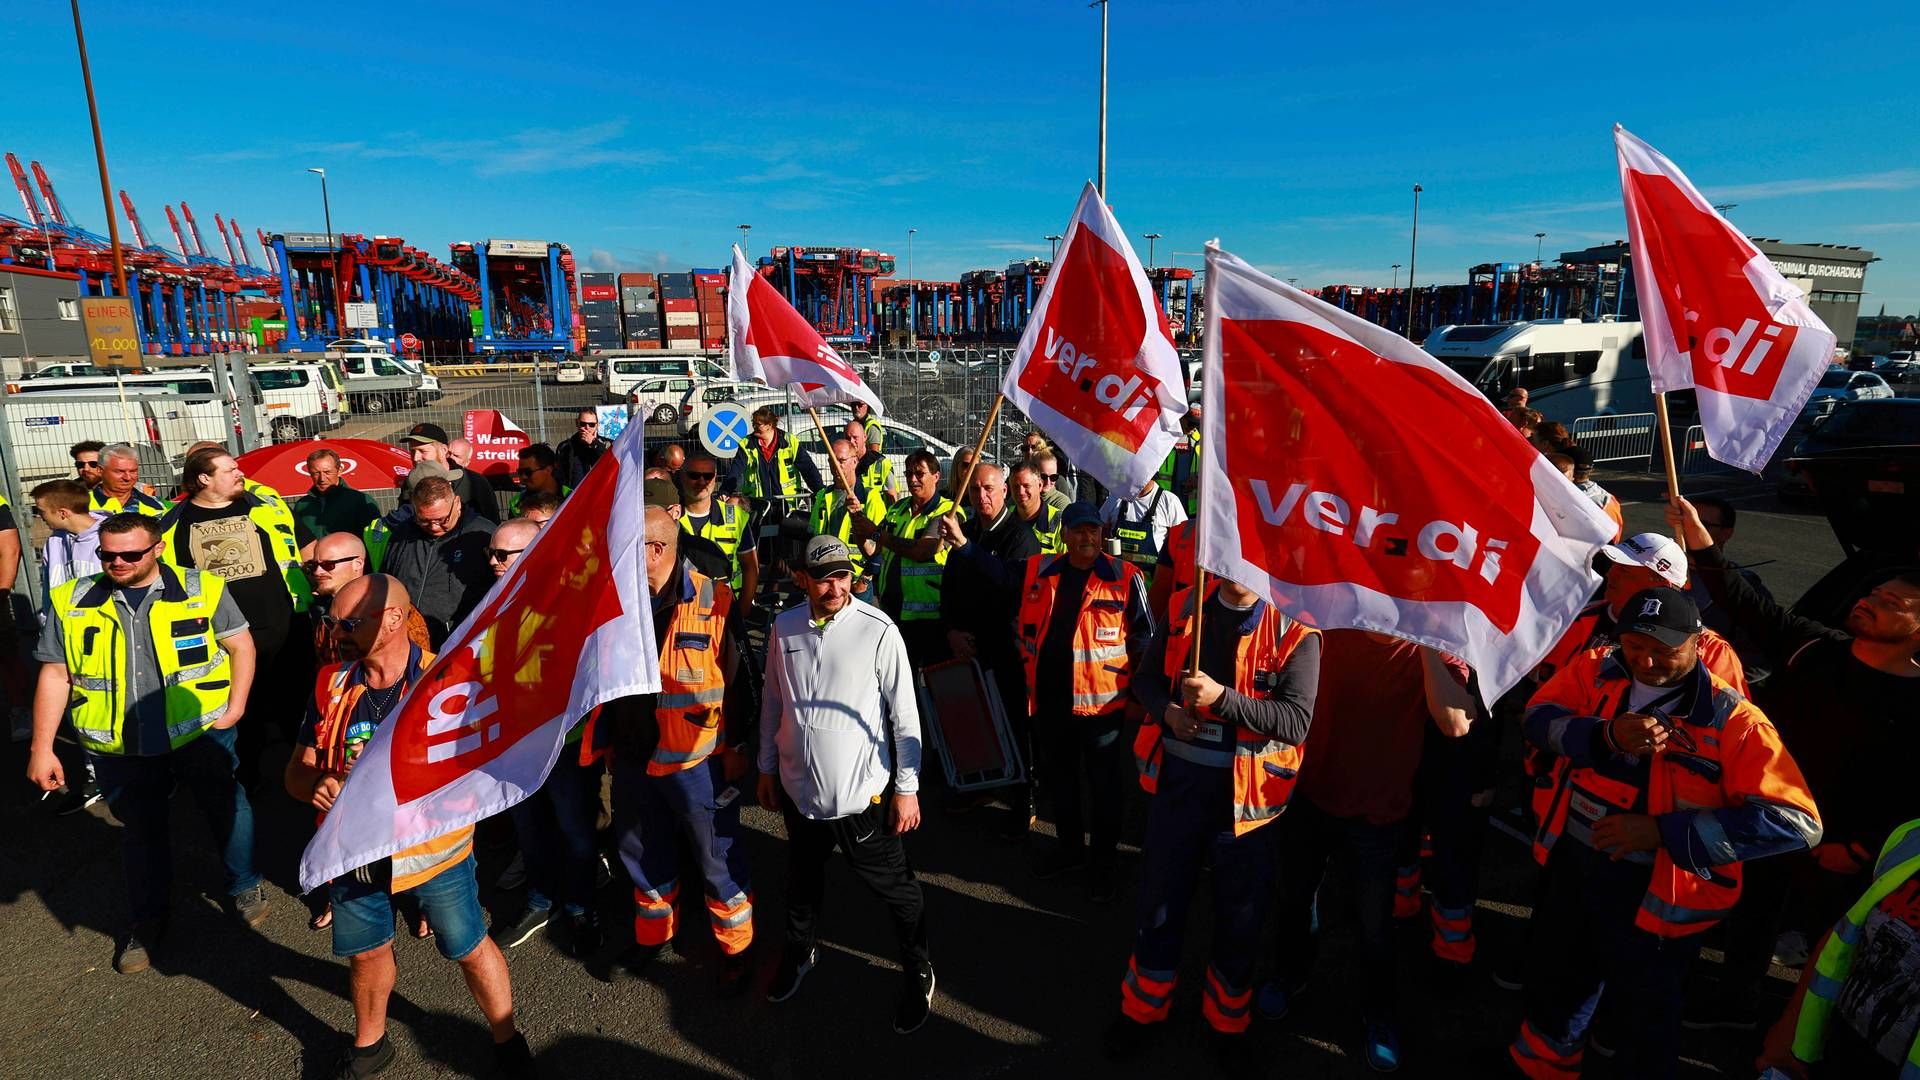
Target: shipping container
703 279
676 286
675 304
644 320
598 292
683 318
596 279
643 343
713 343
627 280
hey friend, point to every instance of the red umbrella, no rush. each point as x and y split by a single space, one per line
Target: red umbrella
364 464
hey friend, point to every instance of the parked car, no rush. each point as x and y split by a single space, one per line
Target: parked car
1854 425
1903 369
627 368
695 402
301 398
570 371
67 371
1839 385
378 381
657 400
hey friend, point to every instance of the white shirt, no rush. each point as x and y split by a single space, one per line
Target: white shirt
824 711
1168 514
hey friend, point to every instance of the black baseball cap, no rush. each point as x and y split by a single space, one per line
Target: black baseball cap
1666 615
427 433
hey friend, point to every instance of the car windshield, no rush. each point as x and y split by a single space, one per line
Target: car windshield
1876 422
1834 380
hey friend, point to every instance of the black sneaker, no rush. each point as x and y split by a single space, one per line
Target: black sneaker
794 966
1125 1038
1060 860
734 971
364 1061
77 798
251 907
132 959
528 922
514 1059
916 1001
1720 1011
583 934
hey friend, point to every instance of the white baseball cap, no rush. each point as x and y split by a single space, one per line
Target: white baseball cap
1655 551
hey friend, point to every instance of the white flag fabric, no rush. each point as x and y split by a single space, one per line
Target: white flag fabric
1096 368
568 628
770 342
1355 481
1717 316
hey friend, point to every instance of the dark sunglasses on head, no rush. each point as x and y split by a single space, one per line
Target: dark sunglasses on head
495 554
122 556
325 564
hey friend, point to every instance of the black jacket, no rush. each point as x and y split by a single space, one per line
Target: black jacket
446 576
575 459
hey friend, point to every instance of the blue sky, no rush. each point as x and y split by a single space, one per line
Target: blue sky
640 134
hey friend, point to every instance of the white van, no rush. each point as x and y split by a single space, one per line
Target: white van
46 416
626 368
1569 368
302 399
377 380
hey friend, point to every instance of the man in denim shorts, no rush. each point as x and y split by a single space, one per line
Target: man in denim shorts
368 624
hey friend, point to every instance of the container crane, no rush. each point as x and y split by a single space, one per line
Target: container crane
26 192
133 218
193 229
266 245
220 227
178 237
58 211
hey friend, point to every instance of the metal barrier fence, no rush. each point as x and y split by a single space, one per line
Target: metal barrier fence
1628 437
1694 459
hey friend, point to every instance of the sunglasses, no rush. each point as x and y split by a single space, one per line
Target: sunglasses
697 477
349 625
527 474
495 554
586 424
326 564
83 466
443 521
122 556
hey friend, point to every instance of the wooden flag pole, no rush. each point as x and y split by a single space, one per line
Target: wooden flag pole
1199 605
1666 454
980 446
846 482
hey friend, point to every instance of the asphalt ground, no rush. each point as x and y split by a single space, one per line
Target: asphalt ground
1028 970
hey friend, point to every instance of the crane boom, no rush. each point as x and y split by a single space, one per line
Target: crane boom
58 211
185 251
273 261
133 218
220 227
26 191
193 229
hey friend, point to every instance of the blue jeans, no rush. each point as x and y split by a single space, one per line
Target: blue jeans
136 789
1310 838
555 828
450 900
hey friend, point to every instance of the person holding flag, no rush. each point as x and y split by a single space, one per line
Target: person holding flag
913 559
832 516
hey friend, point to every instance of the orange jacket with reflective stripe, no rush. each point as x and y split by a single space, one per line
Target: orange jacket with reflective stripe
693 684
1264 770
1723 789
1180 553
337 689
1100 671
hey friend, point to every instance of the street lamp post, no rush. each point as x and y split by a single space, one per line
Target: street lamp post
1538 239
1412 256
333 258
1101 181
1055 238
1150 238
1396 275
744 229
913 296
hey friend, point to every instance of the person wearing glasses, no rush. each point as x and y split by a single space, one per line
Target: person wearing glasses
1054 491
339 559
832 516
440 555
332 505
577 455
539 471
86 463
152 665
119 487
772 473
719 520
73 537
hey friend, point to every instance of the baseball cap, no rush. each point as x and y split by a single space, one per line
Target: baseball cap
1079 513
1654 551
826 556
662 493
420 472
426 433
1666 615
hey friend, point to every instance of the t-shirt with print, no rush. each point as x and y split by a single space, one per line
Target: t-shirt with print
226 543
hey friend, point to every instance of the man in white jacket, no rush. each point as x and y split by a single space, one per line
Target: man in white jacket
840 758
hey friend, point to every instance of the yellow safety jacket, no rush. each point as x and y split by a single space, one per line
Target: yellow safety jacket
275 518
726 525
919 580
195 670
141 500
1046 529
786 463
829 517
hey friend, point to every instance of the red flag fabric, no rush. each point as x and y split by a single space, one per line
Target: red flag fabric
1718 317
568 628
1096 368
769 341
1355 481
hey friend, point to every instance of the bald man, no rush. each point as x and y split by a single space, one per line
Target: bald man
350 701
509 541
338 560
677 758
460 453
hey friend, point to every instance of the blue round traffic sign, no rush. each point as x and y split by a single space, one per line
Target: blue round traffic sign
725 429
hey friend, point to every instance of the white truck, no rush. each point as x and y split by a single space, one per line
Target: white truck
377 381
163 413
1569 368
302 399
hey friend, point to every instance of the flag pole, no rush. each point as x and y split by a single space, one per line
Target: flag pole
980 445
1666 455
846 482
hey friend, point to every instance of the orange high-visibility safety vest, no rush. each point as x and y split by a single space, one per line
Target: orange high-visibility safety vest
1725 754
693 685
1180 550
1264 770
1100 673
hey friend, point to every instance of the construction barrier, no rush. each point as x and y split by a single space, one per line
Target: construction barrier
1627 437
1694 459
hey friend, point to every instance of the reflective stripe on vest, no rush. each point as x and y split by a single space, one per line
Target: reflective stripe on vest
692 681
725 525
1264 770
376 537
830 517
1047 530
919 579
1137 545
786 458
1100 672
195 672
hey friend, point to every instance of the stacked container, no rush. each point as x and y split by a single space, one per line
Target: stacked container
600 312
679 311
640 310
710 297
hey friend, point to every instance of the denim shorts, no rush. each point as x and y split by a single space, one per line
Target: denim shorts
363 911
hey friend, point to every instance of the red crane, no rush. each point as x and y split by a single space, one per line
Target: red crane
220 227
266 245
193 229
133 217
185 251
53 201
26 191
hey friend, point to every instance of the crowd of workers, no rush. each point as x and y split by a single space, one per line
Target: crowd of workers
187 632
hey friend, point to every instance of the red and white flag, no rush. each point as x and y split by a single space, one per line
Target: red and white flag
1096 368
569 627
1355 481
769 341
1717 316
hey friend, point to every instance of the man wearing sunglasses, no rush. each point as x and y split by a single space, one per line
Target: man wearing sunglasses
440 555
428 442
719 520
152 664
577 455
339 559
539 471
872 470
86 462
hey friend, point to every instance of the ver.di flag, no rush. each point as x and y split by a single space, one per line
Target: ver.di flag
1096 368
769 341
1355 481
1717 316
568 628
